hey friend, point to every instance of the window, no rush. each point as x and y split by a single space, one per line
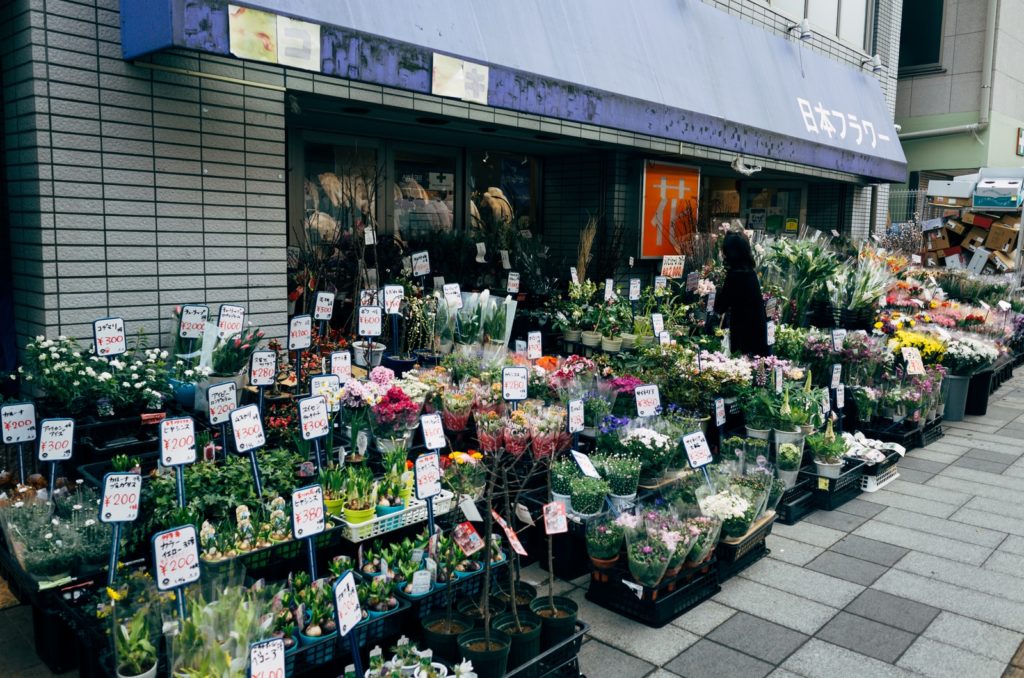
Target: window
847 19
424 193
921 37
503 187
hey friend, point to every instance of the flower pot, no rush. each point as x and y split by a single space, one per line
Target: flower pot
442 640
645 340
367 356
558 624
407 670
563 499
356 516
305 640
184 392
151 673
335 507
788 477
470 608
956 397
604 563
488 661
807 429
571 335
525 593
590 338
623 501
759 433
399 365
628 340
425 357
978 391
829 470
525 645
440 669
611 345
388 510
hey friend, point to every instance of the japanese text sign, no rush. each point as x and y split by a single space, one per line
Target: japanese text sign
247 428
648 400
176 554
56 439
308 511
433 431
19 423
313 418
341 365
230 320
108 334
370 321
514 382
266 659
393 296
263 368
300 333
193 321
576 416
221 399
178 441
324 308
428 475
120 500
346 604
697 451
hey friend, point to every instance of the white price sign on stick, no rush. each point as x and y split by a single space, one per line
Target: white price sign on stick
609 289
697 451
576 415
178 441
533 346
346 604
266 659
672 266
648 400
19 423
263 368
193 321
838 339
56 439
506 263
313 417
324 308
660 283
573 275
108 335
322 384
221 399
393 296
420 263
513 282
657 323
120 500
370 321
433 431
230 320
341 365
840 396
514 383
176 552
308 511
300 333
585 464
912 356
837 375
247 428
770 339
664 339
719 411
428 475
634 289
453 295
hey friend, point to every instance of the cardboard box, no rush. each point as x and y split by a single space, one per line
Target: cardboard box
1003 262
955 261
979 220
1004 193
931 259
1011 220
937 240
955 193
1002 238
949 252
947 201
954 226
975 238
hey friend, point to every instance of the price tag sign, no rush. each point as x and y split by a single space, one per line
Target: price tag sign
912 356
108 335
433 431
19 423
308 511
421 582
769 308
1004 306
266 659
657 323
300 333
576 415
346 604
660 283
711 301
313 417
520 347
453 295
915 259
370 321
779 379
574 275
634 289
263 368
341 365
533 346
554 518
697 451
369 236
220 400
672 266
420 263
324 308
719 411
247 428
428 475
481 253
838 339
837 375
468 539
193 321
513 282
393 297
120 500
840 396
506 263
648 400
514 382
513 538
369 297
324 384
176 553
56 439
230 320
826 405
178 441
771 333
585 464
664 339
609 289
691 282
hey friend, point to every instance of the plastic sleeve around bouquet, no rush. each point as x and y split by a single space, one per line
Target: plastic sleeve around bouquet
604 538
705 542
648 556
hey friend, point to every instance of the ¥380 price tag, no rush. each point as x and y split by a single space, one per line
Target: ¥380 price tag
19 423
193 321
313 417
428 475
120 500
648 400
266 659
346 603
56 439
108 334
176 554
177 441
308 511
221 399
324 308
263 368
433 431
230 320
247 428
300 333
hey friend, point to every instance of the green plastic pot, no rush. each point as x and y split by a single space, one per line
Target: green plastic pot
525 592
445 645
556 628
526 645
488 662
470 608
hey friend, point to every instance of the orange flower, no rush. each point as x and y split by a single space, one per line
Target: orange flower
547 363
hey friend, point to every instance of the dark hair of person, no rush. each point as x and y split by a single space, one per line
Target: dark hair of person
737 254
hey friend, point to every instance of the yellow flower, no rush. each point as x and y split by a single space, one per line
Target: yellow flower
878 325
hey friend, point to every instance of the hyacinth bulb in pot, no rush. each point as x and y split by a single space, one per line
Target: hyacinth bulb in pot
787 463
828 450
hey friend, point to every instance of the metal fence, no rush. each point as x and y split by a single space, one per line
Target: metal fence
911 205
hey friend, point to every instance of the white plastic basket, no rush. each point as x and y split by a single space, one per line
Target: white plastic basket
875 483
415 513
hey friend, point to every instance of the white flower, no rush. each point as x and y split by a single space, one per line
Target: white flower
140 384
163 355
90 522
105 376
48 535
117 364
76 383
135 375
724 505
42 356
126 384
189 373
61 337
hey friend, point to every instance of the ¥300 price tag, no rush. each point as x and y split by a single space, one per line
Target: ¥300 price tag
313 417
56 439
576 416
300 333
230 320
108 334
514 383
247 428
266 659
120 500
648 400
370 321
428 475
19 423
221 399
324 308
193 321
176 554
263 368
178 441
433 431
308 511
697 451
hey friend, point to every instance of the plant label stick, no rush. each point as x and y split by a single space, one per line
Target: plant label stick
634 289
56 443
262 372
314 422
433 431
585 464
108 335
506 263
393 297
230 320
837 375
247 428
119 503
221 399
420 264
453 295
514 383
698 453
193 321
19 424
176 560
323 310
266 659
513 282
308 519
370 322
838 339
657 323
178 448
533 349
341 365
573 275
912 356
513 538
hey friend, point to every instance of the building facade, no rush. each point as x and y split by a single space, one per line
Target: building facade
167 152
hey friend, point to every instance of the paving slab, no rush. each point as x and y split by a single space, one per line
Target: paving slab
976 489
866 636
704 618
792 551
598 660
980 464
803 582
986 478
891 609
999 457
1013 544
859 507
1007 563
975 636
758 637
920 541
801 614
939 660
845 567
993 506
999 521
968 576
837 520
929 492
708 659
809 533
820 659
917 464
940 527
910 475
910 503
871 550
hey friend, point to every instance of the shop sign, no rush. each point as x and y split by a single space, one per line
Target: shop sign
668 208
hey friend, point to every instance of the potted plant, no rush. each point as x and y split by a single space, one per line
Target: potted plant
828 450
604 541
587 495
647 555
430 669
735 511
332 479
786 428
787 463
755 452
733 450
758 406
609 324
563 471
414 333
134 649
969 379
623 476
360 494
707 529
406 657
389 489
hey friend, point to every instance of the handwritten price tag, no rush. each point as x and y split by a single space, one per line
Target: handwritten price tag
230 320
369 297
719 411
221 399
393 297
19 423
56 439
176 553
178 441
193 321
346 604
533 346
664 339
433 431
576 415
263 368
266 659
327 385
585 464
341 365
838 339
554 518
660 283
108 334
697 451
247 428
609 289
513 282
672 266
648 400
514 381
573 275
506 263
324 308
634 289
453 295
300 333
120 500
912 356
420 263
370 321
308 511
313 417
428 475
771 333
837 375
840 396
657 323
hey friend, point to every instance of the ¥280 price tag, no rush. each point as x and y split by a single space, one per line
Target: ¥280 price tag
247 428
263 368
108 334
120 500
308 511
176 554
178 441
514 383
56 439
428 475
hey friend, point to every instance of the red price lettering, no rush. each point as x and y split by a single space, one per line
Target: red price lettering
56 445
121 499
263 373
174 564
249 431
19 423
187 326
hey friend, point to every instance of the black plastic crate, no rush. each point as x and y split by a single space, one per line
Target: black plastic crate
567 548
558 661
796 503
758 551
831 493
909 435
878 469
728 552
466 587
653 606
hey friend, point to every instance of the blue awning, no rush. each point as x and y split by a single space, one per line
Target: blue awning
678 69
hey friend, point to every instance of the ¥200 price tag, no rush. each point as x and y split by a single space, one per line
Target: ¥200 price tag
56 439
346 604
108 335
648 400
341 365
263 368
120 500
230 320
247 428
313 418
533 346
576 415
266 659
428 475
324 308
193 321
176 553
19 423
370 321
433 431
697 451
308 511
514 383
300 333
178 441
393 296
221 399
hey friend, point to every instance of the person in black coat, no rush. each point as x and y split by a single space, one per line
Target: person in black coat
740 298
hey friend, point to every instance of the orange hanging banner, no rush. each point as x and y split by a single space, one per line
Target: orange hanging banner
669 215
